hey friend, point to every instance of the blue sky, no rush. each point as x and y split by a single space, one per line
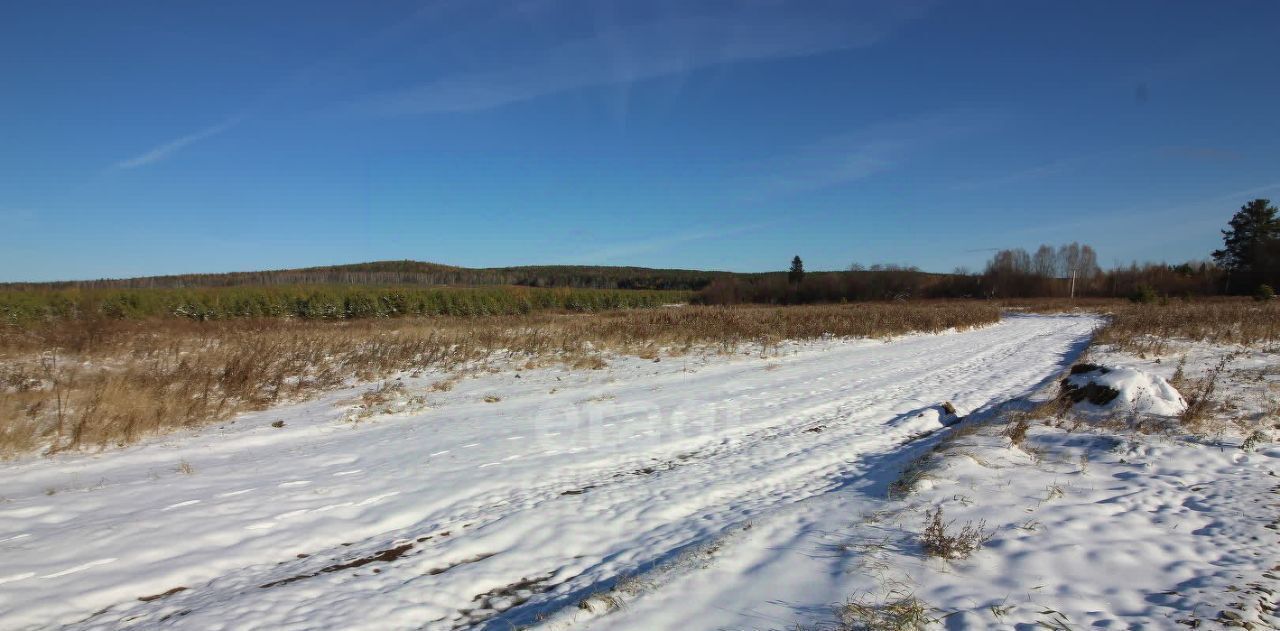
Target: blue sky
141 138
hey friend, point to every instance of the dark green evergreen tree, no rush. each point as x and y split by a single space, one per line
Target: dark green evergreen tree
1250 245
797 271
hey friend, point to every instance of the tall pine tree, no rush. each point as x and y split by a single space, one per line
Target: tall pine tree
797 271
1250 246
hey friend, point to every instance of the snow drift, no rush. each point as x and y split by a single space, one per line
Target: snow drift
928 420
1113 389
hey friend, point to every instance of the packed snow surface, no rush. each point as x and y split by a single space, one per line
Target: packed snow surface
1087 532
514 495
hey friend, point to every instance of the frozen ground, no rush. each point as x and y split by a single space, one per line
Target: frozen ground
481 513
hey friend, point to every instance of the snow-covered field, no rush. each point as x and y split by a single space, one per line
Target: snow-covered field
1090 528
703 491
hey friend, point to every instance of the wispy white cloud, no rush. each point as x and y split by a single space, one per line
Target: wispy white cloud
1094 161
291 83
622 250
671 45
1019 176
1249 192
167 149
850 157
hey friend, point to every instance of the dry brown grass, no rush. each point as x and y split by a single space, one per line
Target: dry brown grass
1146 328
97 383
382 394
896 612
1016 431
1141 328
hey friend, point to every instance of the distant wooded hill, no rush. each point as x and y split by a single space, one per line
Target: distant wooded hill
712 287
409 273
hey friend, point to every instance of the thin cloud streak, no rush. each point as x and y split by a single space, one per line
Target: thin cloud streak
1250 192
169 148
290 84
851 157
659 48
1021 176
1157 224
633 248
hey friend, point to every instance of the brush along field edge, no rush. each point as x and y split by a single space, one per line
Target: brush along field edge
90 384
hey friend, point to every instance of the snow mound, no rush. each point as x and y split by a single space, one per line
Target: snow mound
928 420
1123 388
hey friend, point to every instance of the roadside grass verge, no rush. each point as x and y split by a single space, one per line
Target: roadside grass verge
1146 327
1140 328
73 384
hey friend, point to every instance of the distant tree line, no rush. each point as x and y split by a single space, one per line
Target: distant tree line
1009 274
1066 270
1248 263
816 287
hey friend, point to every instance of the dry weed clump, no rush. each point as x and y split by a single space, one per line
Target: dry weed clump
896 612
382 394
74 384
937 541
1016 431
1198 416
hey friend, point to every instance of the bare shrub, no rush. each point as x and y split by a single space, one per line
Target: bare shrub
1257 437
1179 378
936 541
1200 402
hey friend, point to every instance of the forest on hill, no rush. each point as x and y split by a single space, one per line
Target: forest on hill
414 273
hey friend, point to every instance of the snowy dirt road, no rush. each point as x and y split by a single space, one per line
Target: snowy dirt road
475 513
